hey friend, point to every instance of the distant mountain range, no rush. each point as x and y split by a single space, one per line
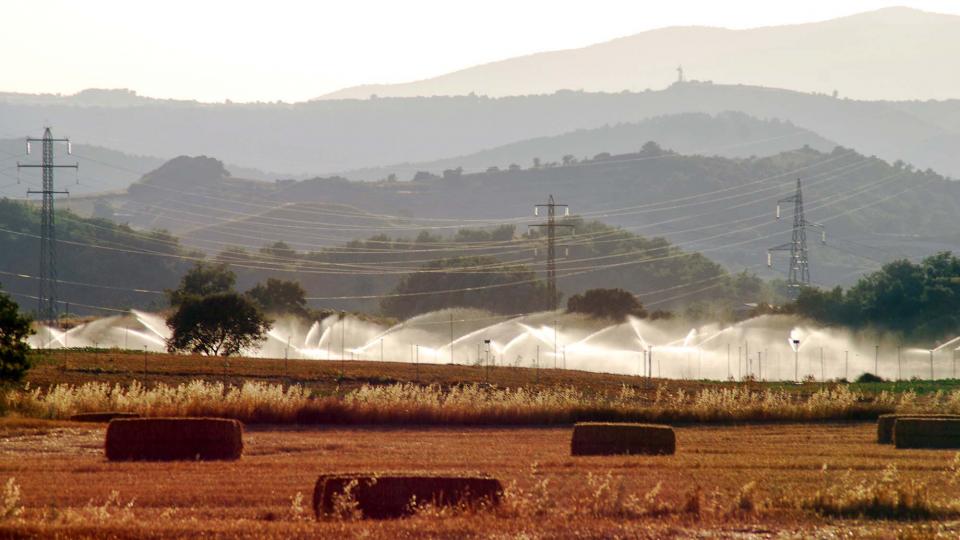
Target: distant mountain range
728 134
333 136
893 54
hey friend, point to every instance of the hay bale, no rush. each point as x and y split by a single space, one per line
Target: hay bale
926 433
390 495
885 424
164 439
605 439
104 416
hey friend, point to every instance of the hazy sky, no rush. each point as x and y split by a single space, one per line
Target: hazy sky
213 50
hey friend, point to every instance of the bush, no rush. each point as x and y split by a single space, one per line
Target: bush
614 304
869 378
14 329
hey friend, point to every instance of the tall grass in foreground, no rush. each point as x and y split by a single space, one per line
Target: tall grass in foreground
259 402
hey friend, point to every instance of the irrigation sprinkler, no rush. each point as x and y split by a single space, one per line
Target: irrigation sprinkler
740 362
796 359
899 363
554 344
746 356
343 323
536 368
822 378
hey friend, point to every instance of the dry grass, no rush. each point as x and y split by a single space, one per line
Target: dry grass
888 497
726 481
405 404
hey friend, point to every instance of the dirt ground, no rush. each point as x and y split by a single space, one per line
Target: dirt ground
66 483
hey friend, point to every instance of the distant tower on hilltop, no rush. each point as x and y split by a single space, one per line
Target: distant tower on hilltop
680 73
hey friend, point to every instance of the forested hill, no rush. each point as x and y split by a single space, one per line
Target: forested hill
728 134
340 135
724 207
104 268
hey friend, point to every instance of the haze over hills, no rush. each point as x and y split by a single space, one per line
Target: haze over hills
329 137
727 134
719 205
842 54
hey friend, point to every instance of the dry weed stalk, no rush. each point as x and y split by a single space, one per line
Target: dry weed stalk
10 503
400 403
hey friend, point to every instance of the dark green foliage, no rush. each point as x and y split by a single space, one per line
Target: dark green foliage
869 378
614 304
280 297
14 330
218 324
90 251
920 301
486 275
202 280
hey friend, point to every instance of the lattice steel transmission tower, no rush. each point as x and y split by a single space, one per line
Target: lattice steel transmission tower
47 293
551 226
799 274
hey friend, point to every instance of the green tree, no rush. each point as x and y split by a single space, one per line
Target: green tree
920 301
202 280
280 297
14 330
614 304
218 324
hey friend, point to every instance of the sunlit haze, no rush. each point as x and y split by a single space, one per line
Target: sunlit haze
292 51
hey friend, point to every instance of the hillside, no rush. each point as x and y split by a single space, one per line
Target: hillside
722 206
104 268
332 136
727 134
101 169
839 54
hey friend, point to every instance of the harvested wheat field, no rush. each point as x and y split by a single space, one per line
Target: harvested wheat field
750 481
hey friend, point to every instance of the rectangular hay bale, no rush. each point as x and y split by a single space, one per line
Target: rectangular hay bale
885 424
390 495
164 439
926 433
610 438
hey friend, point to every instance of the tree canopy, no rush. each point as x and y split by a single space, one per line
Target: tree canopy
218 324
919 301
14 330
280 297
478 282
614 304
202 280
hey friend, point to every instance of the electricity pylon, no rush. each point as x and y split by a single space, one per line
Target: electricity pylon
47 294
551 226
799 275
